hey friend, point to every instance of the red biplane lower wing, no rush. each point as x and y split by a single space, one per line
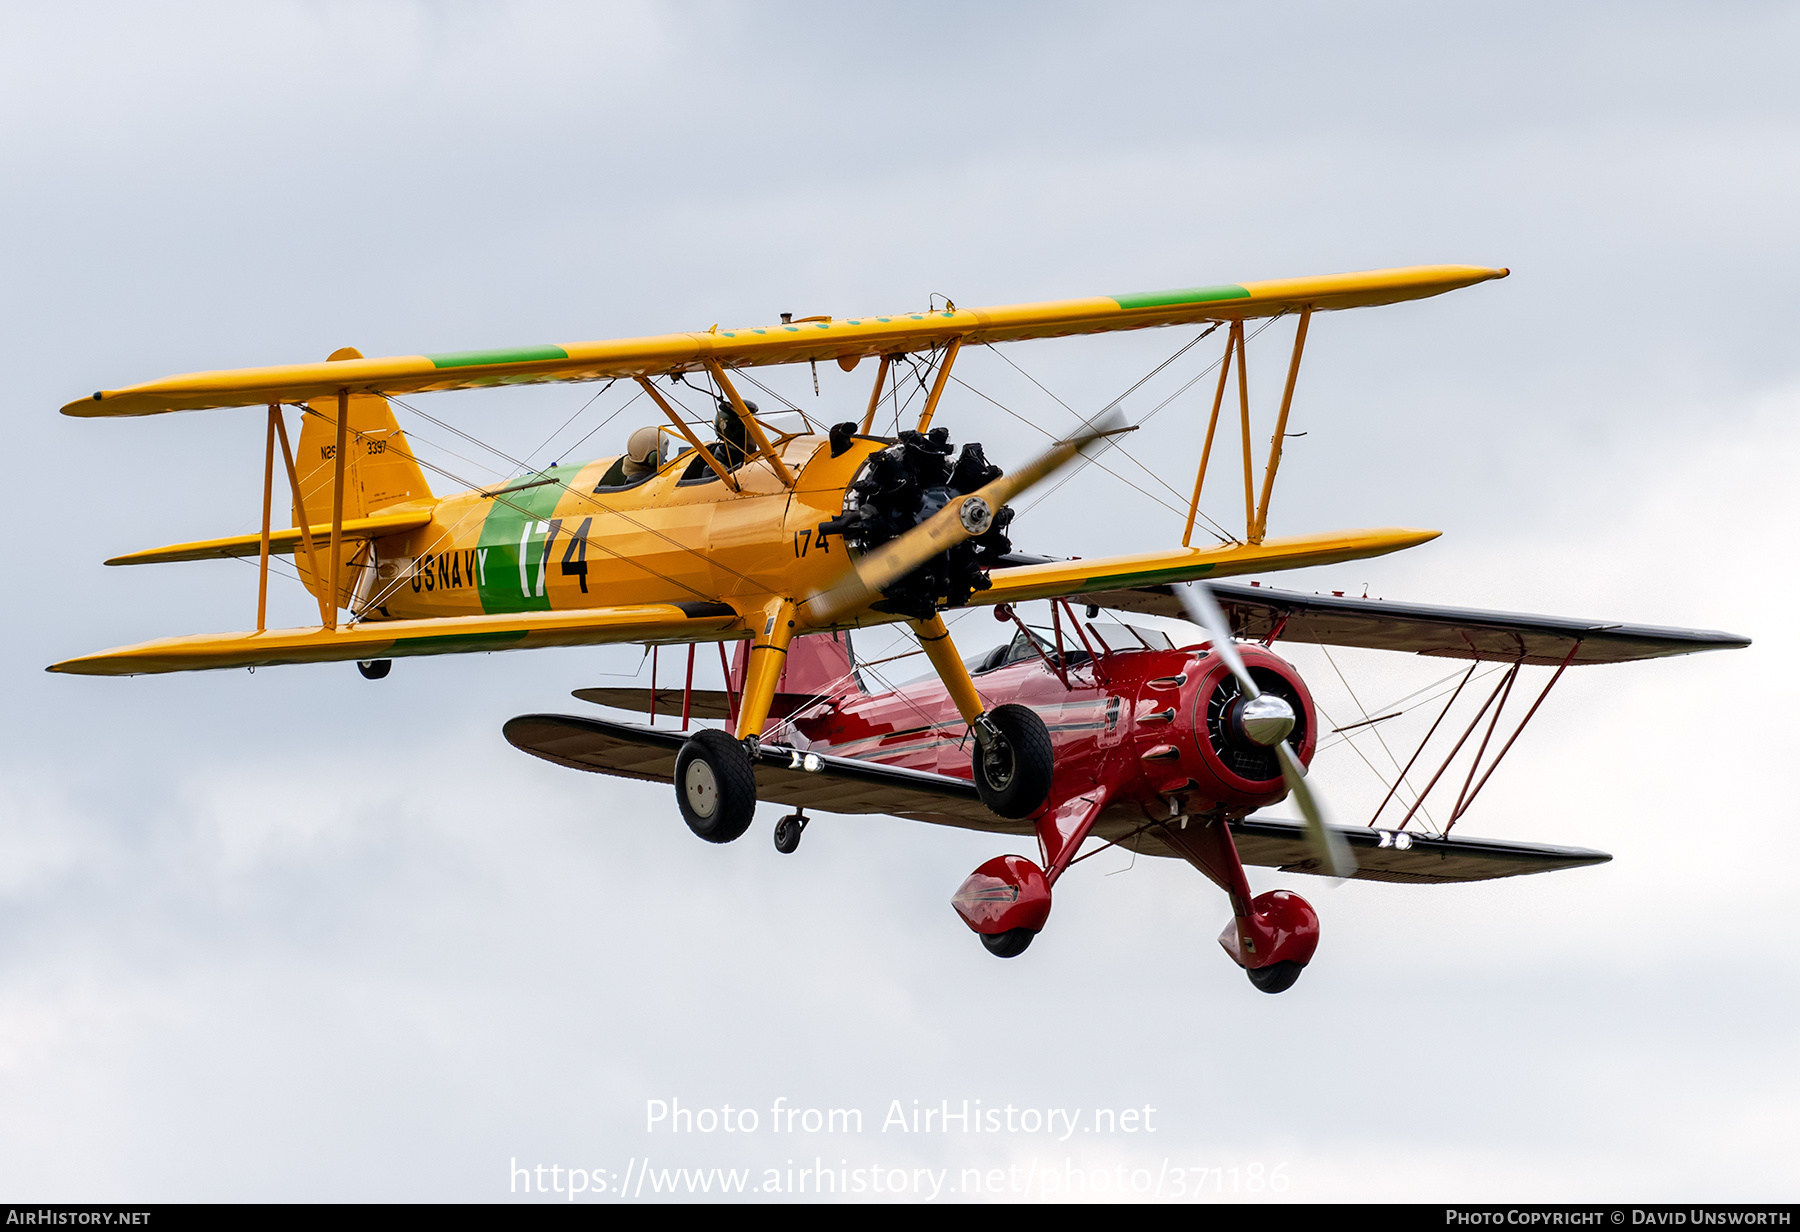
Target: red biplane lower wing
1384 855
834 784
784 776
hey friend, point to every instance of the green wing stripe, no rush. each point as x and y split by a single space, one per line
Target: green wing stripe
1153 577
1170 299
505 355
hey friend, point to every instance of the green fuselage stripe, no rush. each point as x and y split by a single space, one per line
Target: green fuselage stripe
513 575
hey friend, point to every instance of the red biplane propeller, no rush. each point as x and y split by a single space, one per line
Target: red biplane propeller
1267 719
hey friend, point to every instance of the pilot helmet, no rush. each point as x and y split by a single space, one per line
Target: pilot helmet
641 451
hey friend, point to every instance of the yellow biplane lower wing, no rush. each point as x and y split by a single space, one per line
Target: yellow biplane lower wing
1074 577
392 639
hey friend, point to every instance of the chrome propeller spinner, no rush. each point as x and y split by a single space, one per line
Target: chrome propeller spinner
1268 720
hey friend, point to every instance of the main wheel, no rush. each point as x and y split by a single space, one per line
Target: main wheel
1276 977
1009 944
374 669
1012 774
715 785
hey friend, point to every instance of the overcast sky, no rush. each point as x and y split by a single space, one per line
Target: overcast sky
296 935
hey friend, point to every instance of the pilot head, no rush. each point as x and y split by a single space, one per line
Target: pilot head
641 453
731 431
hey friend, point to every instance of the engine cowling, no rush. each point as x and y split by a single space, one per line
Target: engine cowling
1217 763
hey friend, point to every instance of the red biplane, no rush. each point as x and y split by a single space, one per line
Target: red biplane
1165 750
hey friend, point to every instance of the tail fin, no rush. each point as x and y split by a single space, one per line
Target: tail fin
818 665
380 472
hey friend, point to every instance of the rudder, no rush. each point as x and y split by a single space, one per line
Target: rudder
380 472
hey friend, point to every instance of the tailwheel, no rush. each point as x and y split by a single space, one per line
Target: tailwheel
1276 977
374 669
788 831
1014 764
715 785
1009 944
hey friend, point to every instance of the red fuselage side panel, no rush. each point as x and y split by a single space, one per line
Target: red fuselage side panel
1139 724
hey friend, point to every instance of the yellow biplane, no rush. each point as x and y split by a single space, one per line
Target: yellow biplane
731 530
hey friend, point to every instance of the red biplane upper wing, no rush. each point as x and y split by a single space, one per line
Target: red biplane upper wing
820 781
1417 628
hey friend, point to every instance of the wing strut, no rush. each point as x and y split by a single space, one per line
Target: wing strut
763 449
682 427
262 579
1256 510
1211 427
868 422
1471 787
1462 806
937 386
340 452
1281 418
306 534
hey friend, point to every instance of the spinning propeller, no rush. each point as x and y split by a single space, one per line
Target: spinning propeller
1267 719
963 518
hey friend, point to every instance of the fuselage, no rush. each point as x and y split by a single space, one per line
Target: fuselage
563 539
1145 724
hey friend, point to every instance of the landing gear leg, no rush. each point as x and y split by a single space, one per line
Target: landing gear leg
1014 760
788 831
715 774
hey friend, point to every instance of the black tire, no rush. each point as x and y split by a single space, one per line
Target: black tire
715 785
1013 778
1009 944
1276 977
787 834
374 669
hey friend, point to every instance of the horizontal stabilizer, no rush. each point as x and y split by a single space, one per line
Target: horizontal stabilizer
1414 628
393 639
281 542
846 340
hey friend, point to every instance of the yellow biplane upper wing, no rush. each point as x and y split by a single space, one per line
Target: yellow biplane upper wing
388 639
842 339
